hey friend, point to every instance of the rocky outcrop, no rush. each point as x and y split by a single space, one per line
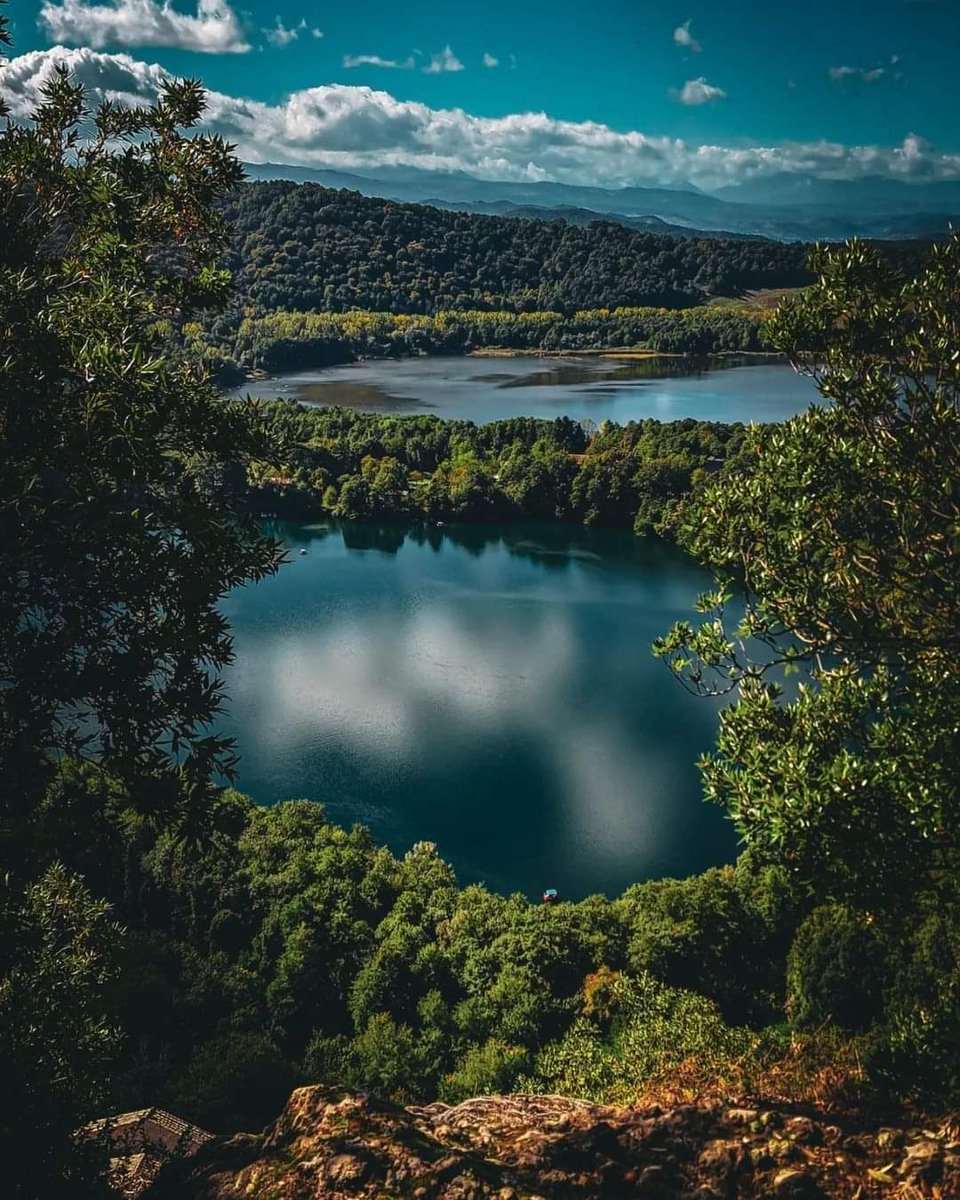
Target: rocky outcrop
331 1143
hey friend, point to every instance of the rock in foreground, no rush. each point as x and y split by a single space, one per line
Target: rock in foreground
331 1143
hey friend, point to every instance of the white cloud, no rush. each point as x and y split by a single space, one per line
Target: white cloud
490 61
214 30
683 37
350 61
698 91
279 35
358 128
840 74
445 61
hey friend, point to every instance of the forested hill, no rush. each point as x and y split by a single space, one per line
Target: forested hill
304 247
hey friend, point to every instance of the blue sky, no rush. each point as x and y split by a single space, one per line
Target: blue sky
631 88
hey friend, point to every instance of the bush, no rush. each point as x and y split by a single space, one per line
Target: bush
835 970
490 1069
236 1082
720 934
655 1029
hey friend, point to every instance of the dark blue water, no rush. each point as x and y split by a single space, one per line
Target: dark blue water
488 689
597 389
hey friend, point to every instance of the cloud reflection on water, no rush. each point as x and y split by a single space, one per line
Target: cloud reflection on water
470 712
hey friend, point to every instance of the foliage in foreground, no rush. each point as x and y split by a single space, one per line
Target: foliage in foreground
647 1030
119 532
290 950
843 528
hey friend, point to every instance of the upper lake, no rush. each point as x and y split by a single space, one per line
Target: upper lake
590 389
490 689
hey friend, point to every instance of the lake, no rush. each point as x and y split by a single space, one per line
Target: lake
590 389
490 689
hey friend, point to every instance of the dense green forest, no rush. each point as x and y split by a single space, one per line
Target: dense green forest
312 249
162 940
362 466
323 276
289 950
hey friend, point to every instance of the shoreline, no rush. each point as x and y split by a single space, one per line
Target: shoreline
627 352
624 354
506 352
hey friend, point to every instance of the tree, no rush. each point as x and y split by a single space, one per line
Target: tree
842 530
57 959
119 528
119 533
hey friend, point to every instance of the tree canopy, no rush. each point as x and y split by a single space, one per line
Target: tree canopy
118 469
309 248
842 526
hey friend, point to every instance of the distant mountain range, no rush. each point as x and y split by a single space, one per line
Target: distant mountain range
580 216
786 207
876 194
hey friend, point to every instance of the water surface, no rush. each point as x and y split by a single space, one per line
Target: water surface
489 689
490 389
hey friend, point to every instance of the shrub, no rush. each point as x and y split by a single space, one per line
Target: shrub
655 1029
835 969
490 1069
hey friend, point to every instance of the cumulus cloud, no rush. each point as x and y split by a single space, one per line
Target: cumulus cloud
683 37
214 30
445 61
358 128
490 61
350 61
698 91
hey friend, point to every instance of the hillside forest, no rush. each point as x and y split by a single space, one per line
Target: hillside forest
323 276
305 248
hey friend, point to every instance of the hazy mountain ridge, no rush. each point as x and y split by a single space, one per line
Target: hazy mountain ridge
584 216
788 208
877 194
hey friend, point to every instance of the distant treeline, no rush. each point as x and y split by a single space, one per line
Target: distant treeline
308 248
361 466
285 341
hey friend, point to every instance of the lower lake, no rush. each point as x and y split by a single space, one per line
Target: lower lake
490 689
596 389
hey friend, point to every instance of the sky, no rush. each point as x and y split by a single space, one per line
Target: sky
708 92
